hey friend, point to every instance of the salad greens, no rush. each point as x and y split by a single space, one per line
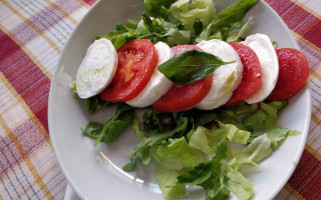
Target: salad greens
193 147
178 22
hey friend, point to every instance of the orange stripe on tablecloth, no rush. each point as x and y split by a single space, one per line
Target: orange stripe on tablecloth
299 37
24 154
27 51
27 21
316 75
293 192
46 173
306 8
312 151
52 4
83 3
315 119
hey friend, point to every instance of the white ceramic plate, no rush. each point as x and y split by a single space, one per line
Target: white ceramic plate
95 173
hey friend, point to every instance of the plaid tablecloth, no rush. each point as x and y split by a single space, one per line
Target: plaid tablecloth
32 36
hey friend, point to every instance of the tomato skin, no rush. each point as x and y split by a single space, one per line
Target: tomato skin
184 97
137 60
252 74
293 73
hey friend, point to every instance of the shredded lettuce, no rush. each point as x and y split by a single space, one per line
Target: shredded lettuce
167 180
176 155
191 11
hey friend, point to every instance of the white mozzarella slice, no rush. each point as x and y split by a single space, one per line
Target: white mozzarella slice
226 78
158 84
264 50
97 69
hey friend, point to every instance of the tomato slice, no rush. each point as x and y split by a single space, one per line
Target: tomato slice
184 97
293 73
137 60
252 74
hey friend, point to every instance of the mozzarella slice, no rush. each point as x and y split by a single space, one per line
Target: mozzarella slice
97 69
158 84
264 50
226 78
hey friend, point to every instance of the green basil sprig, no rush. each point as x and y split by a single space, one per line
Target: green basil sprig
190 66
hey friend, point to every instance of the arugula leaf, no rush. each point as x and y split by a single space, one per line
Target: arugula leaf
152 140
226 19
121 34
113 128
158 8
197 175
190 66
95 103
166 180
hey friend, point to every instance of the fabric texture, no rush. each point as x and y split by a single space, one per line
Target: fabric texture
32 36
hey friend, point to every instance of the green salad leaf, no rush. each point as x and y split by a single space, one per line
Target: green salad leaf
158 8
190 66
227 20
191 11
95 103
166 180
147 143
176 155
113 128
236 182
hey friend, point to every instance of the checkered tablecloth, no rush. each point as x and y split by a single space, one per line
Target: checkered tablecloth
32 36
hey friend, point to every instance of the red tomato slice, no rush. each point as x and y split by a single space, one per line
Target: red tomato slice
293 73
184 97
137 60
252 74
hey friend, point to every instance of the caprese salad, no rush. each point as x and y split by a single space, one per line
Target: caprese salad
211 98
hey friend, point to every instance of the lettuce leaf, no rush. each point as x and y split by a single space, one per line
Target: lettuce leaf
226 21
257 150
237 183
147 143
191 11
166 180
177 155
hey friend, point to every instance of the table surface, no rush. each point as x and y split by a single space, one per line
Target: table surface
32 36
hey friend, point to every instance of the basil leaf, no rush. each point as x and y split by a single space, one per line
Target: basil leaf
190 66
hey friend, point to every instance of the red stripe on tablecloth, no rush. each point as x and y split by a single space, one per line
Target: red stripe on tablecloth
298 20
306 179
90 2
26 78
